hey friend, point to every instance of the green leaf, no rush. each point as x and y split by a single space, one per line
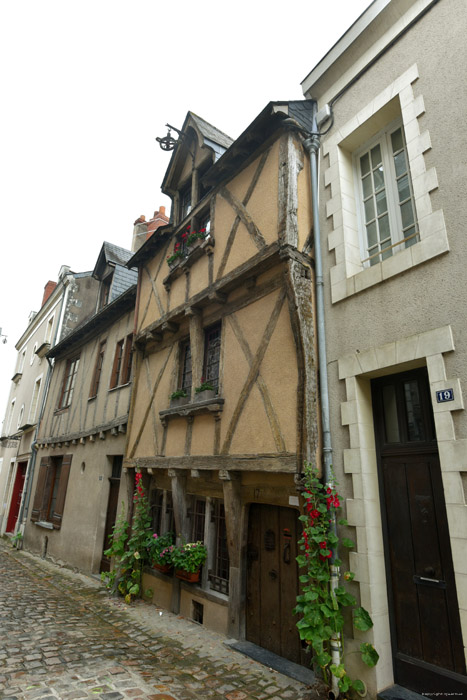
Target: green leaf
323 659
338 671
362 621
344 684
347 543
358 685
342 521
369 654
134 590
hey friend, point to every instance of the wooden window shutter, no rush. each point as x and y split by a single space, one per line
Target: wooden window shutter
39 494
57 515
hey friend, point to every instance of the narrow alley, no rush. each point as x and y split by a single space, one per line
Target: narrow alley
62 637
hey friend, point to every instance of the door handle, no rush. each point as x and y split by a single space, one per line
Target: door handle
286 553
273 575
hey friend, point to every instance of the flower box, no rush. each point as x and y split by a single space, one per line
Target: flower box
179 401
189 576
205 395
163 568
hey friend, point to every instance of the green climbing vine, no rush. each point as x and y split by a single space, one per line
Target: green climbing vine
320 605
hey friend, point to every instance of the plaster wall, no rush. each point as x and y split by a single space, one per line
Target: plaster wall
410 311
80 540
85 413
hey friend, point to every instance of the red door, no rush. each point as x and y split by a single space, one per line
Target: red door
16 496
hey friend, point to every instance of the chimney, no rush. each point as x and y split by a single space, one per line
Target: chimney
48 289
159 219
140 229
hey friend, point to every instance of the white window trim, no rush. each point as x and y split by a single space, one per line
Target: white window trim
382 138
33 354
31 416
10 417
349 275
20 417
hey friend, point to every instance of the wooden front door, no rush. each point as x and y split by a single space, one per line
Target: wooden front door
272 580
16 496
424 613
112 506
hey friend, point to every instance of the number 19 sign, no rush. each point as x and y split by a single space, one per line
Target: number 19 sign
445 395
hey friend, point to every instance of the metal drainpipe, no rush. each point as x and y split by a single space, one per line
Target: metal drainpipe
24 507
312 144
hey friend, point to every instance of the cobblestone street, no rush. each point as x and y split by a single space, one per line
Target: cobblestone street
62 636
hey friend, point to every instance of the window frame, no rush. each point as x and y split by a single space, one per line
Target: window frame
97 373
121 367
35 400
396 232
207 362
185 357
51 488
219 575
68 383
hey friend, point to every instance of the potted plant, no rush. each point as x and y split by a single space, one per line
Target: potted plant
205 391
160 551
195 238
176 256
188 559
178 398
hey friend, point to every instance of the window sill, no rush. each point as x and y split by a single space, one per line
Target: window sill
119 386
214 406
16 377
205 247
58 411
45 524
425 249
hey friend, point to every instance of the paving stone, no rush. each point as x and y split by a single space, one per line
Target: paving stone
84 644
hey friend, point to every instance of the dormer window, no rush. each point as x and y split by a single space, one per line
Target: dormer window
105 291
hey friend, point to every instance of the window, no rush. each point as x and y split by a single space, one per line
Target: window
96 377
198 515
219 575
387 209
205 224
21 362
33 354
162 515
68 385
34 401
185 202
185 367
121 370
48 332
52 482
10 417
20 417
212 352
104 296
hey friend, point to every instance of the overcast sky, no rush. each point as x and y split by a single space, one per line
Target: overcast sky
85 89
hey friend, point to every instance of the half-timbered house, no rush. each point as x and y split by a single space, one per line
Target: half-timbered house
225 299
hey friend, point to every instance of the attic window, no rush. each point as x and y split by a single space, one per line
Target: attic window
105 291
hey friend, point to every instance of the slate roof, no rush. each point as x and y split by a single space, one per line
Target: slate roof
210 132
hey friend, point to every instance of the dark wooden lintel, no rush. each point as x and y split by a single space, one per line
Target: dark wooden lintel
274 463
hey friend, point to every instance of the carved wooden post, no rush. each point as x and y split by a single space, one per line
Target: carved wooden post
234 523
178 478
181 523
197 346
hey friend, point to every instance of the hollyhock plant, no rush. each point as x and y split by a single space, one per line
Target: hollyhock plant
320 603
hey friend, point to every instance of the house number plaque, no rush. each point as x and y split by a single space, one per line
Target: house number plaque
445 395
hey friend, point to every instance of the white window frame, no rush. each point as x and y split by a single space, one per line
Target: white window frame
33 354
48 330
35 400
20 417
383 139
348 274
10 417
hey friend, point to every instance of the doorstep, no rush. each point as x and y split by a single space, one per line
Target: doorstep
397 692
274 661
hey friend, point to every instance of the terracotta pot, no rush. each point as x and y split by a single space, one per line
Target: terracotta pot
189 576
163 568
